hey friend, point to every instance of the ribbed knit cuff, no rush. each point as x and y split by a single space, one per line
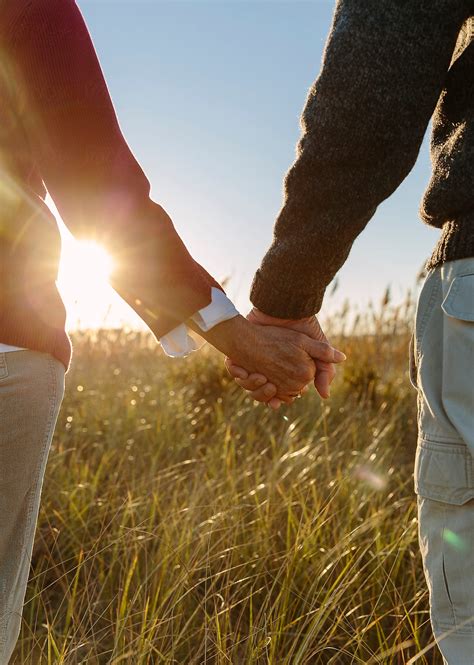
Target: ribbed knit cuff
456 242
282 304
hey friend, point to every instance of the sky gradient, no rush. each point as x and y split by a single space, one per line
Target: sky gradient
208 95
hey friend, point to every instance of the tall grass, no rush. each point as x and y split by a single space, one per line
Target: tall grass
182 523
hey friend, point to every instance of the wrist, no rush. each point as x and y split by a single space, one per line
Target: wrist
257 316
228 335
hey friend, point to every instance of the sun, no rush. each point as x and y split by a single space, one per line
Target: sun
86 262
83 282
84 270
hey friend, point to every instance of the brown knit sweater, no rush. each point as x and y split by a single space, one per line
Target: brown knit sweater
389 66
58 132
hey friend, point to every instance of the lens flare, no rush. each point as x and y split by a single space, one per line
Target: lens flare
454 540
370 477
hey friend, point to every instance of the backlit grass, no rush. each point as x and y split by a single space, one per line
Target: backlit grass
182 523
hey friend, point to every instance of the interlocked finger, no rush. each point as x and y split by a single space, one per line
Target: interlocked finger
252 382
264 393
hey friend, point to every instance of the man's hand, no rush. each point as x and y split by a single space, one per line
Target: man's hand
259 386
284 357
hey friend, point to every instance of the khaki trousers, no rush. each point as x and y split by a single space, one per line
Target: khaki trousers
31 391
443 372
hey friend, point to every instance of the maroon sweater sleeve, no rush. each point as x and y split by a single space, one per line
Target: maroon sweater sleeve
97 185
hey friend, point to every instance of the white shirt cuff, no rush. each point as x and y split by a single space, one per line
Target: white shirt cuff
178 343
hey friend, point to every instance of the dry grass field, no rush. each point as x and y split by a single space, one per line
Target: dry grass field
183 523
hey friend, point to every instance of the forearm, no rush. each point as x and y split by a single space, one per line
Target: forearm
363 124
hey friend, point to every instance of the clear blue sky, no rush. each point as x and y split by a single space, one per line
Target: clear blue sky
209 95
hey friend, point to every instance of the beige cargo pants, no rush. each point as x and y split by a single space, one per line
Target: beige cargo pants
443 371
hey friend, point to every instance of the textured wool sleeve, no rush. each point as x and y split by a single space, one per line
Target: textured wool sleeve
383 70
97 185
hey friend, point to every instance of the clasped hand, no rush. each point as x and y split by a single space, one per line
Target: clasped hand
275 359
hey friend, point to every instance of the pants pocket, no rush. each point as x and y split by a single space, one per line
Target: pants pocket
443 472
458 357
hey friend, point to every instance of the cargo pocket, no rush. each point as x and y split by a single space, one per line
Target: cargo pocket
3 366
444 472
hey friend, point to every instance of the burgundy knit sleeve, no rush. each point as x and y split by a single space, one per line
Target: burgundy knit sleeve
97 185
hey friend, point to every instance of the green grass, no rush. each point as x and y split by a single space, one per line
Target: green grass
183 523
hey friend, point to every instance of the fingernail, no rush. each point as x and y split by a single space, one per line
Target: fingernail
268 390
339 356
261 381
